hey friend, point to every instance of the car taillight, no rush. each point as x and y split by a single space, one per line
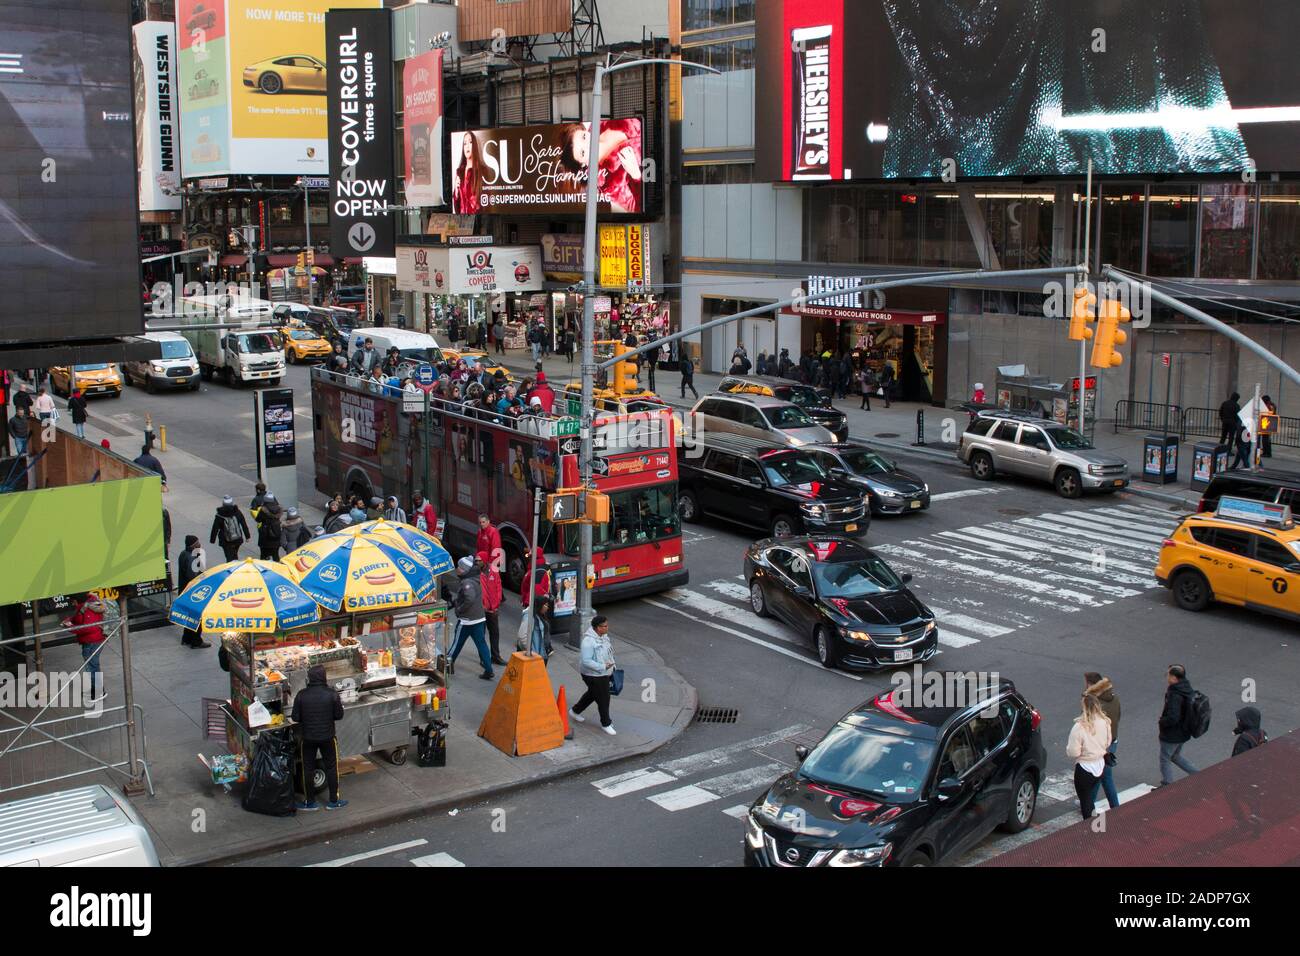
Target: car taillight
1035 718
1201 507
1167 543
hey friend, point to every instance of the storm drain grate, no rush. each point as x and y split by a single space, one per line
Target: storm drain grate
886 434
716 715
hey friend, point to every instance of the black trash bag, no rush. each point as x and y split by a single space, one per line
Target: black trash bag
431 747
270 778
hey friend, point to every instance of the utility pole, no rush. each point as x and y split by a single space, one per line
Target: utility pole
1087 271
311 253
585 452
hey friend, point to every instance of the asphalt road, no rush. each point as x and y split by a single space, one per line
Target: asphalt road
1026 584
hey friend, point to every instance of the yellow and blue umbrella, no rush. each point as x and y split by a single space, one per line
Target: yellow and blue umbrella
248 595
420 543
359 573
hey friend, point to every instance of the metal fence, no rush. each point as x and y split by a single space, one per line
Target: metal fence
62 748
1148 416
1204 423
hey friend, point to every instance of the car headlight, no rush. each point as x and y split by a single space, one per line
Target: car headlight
753 832
893 495
156 367
862 636
931 628
815 510
1094 469
794 441
862 856
925 488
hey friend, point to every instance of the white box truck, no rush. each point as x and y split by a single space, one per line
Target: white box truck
241 353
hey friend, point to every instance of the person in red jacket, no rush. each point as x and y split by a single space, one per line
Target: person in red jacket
541 579
87 623
542 390
489 540
422 514
493 597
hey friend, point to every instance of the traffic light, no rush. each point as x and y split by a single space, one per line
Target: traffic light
302 263
1109 334
624 373
311 258
1081 314
595 507
562 507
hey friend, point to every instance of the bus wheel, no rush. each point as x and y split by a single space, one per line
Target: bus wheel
515 568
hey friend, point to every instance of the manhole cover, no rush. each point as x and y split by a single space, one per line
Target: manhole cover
886 434
716 715
1013 512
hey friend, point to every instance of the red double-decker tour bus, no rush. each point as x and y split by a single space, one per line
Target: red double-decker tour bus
373 444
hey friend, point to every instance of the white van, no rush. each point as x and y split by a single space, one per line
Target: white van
88 826
414 346
177 368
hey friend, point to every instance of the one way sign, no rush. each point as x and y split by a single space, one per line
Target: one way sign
570 445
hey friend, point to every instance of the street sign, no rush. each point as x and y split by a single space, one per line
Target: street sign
425 375
575 407
1164 359
570 445
567 426
600 466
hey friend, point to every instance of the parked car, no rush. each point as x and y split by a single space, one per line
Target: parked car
1271 485
332 323
177 367
856 610
895 784
757 416
85 826
102 378
893 491
817 404
780 490
1000 441
293 74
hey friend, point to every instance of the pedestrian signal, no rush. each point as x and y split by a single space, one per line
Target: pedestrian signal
562 507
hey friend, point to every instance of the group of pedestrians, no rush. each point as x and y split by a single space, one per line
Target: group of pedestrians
1094 737
1234 433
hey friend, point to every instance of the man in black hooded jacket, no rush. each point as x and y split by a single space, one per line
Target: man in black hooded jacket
1174 718
315 709
1249 733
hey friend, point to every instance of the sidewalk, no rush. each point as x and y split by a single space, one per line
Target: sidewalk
895 428
194 822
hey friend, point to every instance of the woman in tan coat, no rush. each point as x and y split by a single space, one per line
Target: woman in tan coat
1089 738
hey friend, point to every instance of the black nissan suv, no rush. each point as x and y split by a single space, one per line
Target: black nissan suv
913 777
779 489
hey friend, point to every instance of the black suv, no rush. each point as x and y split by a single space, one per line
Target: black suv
778 489
900 783
1275 487
815 405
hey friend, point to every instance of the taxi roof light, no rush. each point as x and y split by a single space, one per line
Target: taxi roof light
1254 512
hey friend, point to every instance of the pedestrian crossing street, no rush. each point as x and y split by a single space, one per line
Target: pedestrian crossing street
982 581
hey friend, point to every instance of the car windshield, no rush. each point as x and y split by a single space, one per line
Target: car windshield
1067 438
175 350
635 517
853 579
259 342
788 416
803 397
90 368
302 335
870 762
866 463
432 356
791 470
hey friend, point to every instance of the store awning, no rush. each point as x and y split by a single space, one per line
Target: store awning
869 316
280 260
229 260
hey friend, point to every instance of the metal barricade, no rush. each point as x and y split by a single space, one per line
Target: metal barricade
61 748
1205 423
1149 416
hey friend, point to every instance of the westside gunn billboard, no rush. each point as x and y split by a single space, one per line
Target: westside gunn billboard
360 96
923 89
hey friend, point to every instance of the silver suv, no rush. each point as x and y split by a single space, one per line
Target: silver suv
758 416
1039 448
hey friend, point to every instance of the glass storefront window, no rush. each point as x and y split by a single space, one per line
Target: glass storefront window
1279 232
831 226
1227 229
702 14
1120 239
945 237
1171 245
905 231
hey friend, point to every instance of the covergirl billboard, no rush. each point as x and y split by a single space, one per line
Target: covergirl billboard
544 168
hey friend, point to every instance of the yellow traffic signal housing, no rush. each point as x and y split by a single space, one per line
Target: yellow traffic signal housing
311 257
1081 314
1267 423
562 507
1109 334
302 262
595 508
624 373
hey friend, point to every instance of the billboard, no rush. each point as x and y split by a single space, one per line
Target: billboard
490 19
544 168
157 131
252 85
622 252
918 90
422 120
562 257
422 269
475 269
68 217
360 56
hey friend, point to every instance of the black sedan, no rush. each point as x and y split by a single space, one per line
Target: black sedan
892 490
903 780
858 613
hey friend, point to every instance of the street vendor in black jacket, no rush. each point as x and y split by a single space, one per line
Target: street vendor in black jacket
315 708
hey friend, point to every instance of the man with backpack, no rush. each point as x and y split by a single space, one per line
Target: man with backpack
229 528
1186 714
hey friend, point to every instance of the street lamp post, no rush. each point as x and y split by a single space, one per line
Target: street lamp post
311 266
589 314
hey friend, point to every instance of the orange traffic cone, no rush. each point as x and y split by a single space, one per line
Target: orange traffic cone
562 702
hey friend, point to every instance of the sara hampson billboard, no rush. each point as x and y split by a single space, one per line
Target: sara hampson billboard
544 168
881 89
252 85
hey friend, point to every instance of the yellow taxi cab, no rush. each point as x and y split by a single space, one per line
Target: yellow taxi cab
1245 553
608 400
99 379
478 357
302 344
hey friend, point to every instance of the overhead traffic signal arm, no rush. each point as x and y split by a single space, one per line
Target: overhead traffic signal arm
1109 335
